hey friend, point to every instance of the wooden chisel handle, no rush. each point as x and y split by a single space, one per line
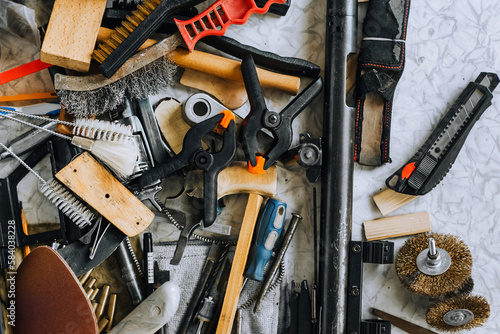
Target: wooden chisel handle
403 324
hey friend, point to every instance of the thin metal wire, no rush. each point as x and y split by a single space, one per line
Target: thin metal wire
36 126
41 118
23 163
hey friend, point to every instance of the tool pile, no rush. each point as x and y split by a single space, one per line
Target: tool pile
137 168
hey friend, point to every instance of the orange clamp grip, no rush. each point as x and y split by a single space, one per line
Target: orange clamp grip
259 166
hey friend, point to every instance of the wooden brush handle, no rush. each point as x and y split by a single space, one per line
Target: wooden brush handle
230 69
221 67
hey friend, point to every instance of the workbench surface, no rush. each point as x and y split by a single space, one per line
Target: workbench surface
448 44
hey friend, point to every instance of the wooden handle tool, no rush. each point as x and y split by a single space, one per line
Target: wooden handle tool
223 67
235 281
101 190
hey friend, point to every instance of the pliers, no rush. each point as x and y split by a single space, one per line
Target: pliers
260 117
193 153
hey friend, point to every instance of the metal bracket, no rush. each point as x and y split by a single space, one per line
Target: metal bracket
381 252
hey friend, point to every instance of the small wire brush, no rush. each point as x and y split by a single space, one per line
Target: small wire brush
146 73
111 143
459 313
60 196
434 264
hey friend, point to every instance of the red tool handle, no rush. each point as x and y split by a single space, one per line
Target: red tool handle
23 70
216 18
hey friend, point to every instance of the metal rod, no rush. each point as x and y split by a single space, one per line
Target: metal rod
338 165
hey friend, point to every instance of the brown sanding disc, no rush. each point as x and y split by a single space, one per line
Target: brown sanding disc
49 297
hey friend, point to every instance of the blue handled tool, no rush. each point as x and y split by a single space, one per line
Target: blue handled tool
267 233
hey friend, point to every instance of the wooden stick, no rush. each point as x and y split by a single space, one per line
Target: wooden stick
240 259
388 200
397 226
96 186
230 69
72 33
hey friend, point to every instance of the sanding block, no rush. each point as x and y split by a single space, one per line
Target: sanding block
49 298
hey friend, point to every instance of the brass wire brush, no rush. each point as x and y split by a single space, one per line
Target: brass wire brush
134 31
434 265
459 313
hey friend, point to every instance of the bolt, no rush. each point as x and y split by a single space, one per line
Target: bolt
273 119
356 248
355 291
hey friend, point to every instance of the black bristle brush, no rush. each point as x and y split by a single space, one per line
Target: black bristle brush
134 31
459 313
434 265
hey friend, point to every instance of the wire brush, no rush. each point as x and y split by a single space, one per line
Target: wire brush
146 73
60 196
459 313
111 144
434 272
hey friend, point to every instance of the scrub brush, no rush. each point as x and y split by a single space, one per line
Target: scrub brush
112 144
459 313
434 265
60 196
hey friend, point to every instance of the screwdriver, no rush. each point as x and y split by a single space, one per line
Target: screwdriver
267 232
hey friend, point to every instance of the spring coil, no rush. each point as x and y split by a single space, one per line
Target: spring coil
180 227
277 282
134 258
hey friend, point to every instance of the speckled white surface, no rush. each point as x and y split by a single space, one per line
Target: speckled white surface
448 44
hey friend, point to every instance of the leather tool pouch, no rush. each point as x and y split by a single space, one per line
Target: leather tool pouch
380 66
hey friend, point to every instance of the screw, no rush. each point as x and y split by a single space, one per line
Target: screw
356 248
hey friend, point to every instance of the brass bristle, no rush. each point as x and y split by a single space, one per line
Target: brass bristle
106 49
139 15
99 56
144 9
451 280
459 313
128 26
122 32
112 44
117 37
134 20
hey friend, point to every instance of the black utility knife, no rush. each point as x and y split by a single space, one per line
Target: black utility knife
434 159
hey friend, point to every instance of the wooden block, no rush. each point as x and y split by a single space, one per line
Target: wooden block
239 262
101 190
388 200
397 226
231 94
72 33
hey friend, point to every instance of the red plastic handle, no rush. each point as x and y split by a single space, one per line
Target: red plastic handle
216 18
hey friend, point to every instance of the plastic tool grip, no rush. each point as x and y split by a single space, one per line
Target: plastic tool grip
267 233
216 18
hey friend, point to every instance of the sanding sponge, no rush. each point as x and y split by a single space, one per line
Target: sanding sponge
49 297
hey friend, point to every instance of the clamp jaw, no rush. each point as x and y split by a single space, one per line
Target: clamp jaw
193 153
260 117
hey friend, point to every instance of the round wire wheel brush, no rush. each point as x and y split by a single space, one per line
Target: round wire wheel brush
434 264
459 313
